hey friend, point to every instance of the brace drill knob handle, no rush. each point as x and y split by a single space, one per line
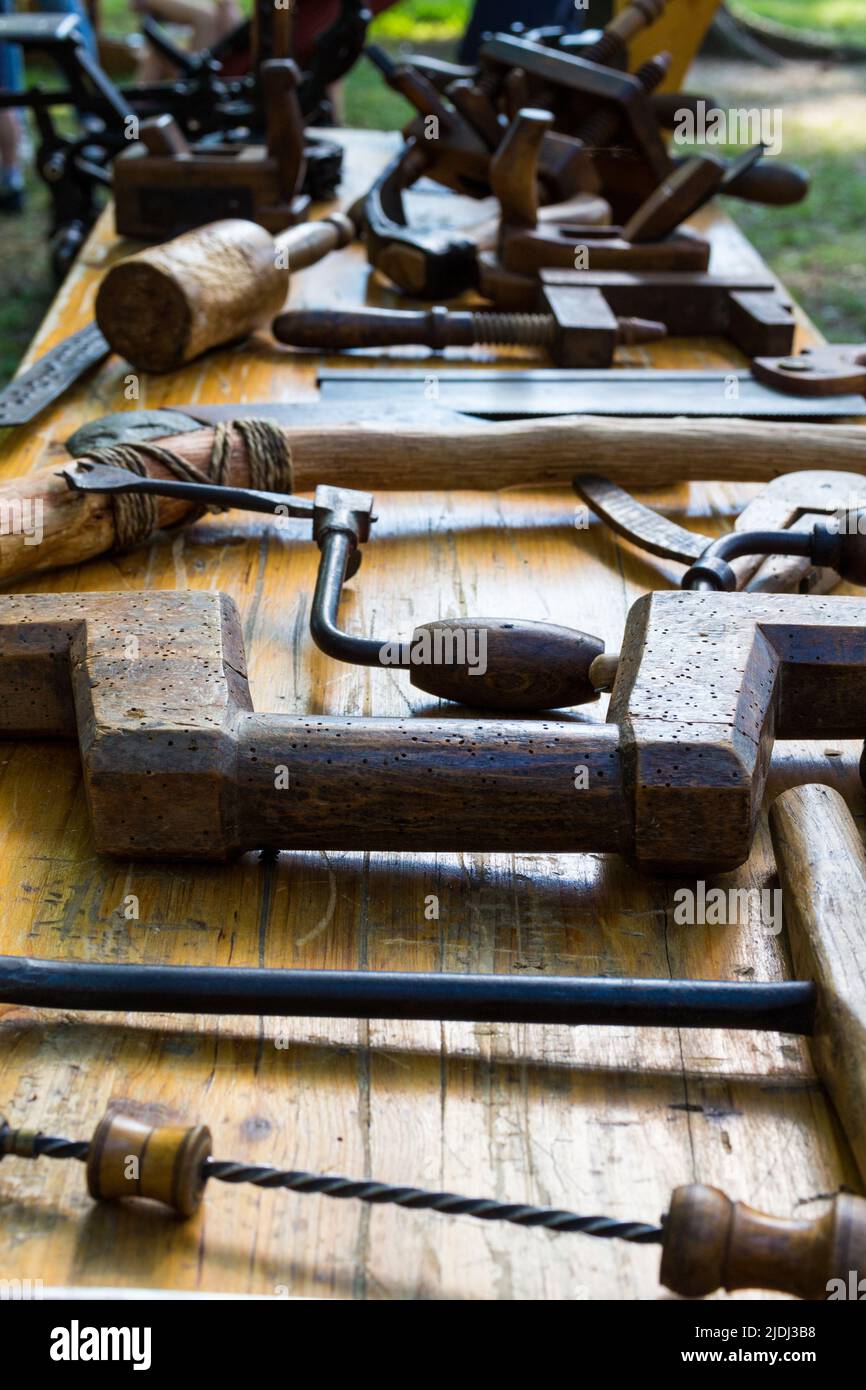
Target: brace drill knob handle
713 1243
509 666
840 544
488 663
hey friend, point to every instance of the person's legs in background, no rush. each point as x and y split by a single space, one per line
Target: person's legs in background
75 7
11 80
494 16
206 22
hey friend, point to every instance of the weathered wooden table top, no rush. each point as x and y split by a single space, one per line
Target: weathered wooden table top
599 1120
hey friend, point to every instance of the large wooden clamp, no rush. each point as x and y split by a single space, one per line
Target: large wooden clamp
177 763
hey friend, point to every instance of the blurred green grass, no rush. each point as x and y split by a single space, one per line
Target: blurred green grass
838 19
818 247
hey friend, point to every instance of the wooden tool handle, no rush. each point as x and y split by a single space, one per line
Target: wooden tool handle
770 182
325 330
280 79
167 304
302 246
822 870
713 1243
514 167
515 667
130 1158
467 453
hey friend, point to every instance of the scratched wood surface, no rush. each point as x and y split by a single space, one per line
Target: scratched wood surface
598 1120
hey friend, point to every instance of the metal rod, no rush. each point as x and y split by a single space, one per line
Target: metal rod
100 477
445 1203
786 1007
738 543
711 572
29 1145
338 549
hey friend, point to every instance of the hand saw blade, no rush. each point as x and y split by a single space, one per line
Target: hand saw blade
499 394
44 382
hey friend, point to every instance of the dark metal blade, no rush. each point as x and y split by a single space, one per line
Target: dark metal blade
44 382
86 476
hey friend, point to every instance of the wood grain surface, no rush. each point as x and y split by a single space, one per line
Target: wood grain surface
598 1120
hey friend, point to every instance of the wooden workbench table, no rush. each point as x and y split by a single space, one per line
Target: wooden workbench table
599 1120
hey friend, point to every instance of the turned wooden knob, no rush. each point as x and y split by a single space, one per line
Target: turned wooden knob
510 666
842 547
129 1158
167 304
713 1243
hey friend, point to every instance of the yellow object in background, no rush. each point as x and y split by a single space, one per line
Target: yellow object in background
679 30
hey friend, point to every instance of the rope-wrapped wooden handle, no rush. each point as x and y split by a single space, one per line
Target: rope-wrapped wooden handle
460 452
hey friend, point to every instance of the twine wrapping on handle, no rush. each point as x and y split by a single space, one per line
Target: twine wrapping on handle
136 515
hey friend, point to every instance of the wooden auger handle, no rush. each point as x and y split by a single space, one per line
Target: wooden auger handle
713 1243
708 1241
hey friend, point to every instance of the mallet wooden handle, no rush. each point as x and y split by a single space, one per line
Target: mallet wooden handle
713 1243
438 328
822 870
457 454
324 330
167 304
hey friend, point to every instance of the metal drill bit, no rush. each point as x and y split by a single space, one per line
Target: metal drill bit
27 1144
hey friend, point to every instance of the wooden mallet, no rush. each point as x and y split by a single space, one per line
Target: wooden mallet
168 304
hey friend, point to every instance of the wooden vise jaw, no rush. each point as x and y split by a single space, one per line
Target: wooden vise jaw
177 764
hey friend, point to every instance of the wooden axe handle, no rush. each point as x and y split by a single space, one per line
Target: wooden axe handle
822 870
463 454
471 454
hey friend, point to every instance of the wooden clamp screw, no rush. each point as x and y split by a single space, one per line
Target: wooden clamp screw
581 333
